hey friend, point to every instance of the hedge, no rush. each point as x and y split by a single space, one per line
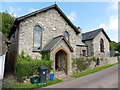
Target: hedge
117 54
26 66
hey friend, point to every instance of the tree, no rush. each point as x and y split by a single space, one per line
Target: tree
113 45
6 20
118 47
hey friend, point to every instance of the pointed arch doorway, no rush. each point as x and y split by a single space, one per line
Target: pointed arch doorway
61 61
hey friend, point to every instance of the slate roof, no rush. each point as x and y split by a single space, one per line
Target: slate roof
55 41
3 44
79 42
17 21
92 34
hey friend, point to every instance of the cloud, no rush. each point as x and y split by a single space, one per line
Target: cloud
112 24
72 16
13 14
113 6
32 9
12 11
111 27
113 20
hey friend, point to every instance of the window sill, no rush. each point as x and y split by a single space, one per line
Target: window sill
102 52
37 50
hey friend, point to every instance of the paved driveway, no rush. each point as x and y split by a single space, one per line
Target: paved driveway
107 78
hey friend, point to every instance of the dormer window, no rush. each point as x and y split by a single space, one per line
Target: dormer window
66 34
37 38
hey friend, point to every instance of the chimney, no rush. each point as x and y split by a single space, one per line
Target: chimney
80 29
80 34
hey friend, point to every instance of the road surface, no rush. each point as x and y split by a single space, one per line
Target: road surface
107 78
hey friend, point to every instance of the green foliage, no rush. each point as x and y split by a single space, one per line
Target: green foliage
118 47
93 70
82 63
6 20
26 66
45 55
117 54
113 45
22 57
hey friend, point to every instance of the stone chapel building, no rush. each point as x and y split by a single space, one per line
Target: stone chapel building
49 30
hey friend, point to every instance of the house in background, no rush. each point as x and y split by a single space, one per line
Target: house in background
3 50
49 30
97 42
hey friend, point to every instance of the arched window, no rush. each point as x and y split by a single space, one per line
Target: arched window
37 37
66 34
101 45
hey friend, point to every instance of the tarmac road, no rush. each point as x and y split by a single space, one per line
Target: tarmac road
107 78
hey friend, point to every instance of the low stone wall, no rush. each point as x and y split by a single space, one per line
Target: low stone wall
102 61
108 60
89 61
118 58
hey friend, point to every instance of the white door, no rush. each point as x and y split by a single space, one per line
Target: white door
2 66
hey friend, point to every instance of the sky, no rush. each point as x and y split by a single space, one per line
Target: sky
87 15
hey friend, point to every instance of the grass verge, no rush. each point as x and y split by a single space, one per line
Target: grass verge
32 86
92 70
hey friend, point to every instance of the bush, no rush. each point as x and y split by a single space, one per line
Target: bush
82 63
117 54
45 55
26 66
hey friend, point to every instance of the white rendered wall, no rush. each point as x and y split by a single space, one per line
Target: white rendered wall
2 66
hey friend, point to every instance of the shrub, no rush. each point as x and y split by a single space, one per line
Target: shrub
82 63
117 54
45 55
26 66
22 57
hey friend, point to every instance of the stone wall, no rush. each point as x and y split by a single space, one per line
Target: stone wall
103 61
53 25
118 58
96 46
89 48
108 60
79 51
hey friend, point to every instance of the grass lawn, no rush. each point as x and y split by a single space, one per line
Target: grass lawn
32 86
92 70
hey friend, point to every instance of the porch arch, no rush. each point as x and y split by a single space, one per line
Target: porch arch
67 54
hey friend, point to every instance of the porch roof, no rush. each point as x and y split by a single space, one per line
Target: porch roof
50 46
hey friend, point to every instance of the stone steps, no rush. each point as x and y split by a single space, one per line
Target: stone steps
61 75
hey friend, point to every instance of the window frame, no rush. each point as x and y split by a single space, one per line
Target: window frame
67 34
36 49
101 45
84 53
